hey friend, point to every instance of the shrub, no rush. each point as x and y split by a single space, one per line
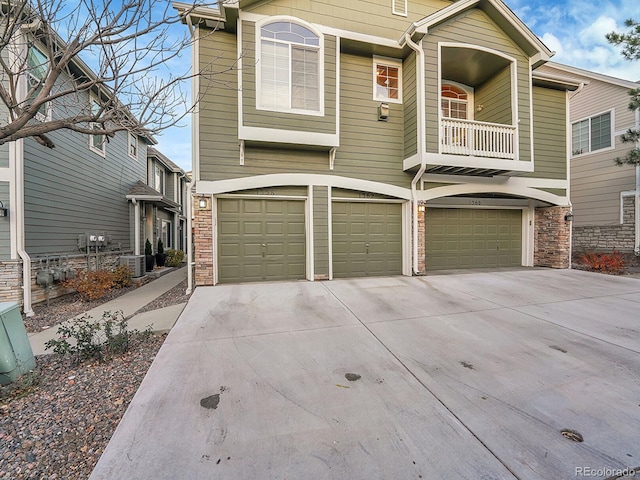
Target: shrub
147 248
122 276
160 247
91 285
174 258
611 263
85 338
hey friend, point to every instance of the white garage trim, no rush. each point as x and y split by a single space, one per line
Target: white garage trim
462 189
308 213
300 179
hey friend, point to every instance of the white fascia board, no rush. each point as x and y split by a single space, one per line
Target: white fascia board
478 188
275 135
569 83
6 174
336 32
151 198
498 180
478 162
596 76
410 162
207 187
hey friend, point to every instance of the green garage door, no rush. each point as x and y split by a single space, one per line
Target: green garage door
472 238
367 239
260 240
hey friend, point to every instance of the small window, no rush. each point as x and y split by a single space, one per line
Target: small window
289 68
387 80
98 141
591 134
158 178
37 67
399 7
133 145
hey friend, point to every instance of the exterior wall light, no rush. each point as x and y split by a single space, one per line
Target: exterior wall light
4 212
568 217
421 207
383 112
202 203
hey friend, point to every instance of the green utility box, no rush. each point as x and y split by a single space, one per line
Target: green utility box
16 355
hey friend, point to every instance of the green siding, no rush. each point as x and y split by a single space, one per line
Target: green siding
253 117
321 230
372 17
71 190
549 126
476 28
369 148
410 106
5 226
219 150
495 98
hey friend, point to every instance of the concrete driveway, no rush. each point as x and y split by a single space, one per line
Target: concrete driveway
463 376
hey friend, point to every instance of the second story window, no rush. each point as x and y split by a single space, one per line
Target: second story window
289 68
133 145
37 66
98 141
387 86
591 134
454 102
158 178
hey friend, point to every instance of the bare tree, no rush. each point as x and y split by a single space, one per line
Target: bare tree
93 67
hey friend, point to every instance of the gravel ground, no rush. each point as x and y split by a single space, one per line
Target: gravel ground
60 427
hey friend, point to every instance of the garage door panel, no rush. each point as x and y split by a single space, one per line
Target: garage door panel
473 238
358 224
261 239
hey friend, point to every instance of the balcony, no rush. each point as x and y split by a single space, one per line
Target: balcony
478 139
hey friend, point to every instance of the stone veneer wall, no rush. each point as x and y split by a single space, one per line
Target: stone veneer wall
11 274
552 237
608 237
203 242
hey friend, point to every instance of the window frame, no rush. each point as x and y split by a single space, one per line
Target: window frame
47 116
258 69
102 150
130 136
395 11
386 62
157 169
589 119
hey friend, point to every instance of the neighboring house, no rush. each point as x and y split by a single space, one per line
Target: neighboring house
161 204
604 195
66 207
379 137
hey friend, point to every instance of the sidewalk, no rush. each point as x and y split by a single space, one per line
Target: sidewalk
161 320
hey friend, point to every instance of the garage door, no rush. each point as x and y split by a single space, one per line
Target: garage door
260 240
367 239
470 238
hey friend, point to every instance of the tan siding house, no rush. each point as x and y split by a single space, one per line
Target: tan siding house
344 140
602 193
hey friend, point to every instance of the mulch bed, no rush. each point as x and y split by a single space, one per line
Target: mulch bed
631 263
60 426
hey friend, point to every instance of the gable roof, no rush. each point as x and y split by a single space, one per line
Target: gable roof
499 13
595 76
142 191
152 152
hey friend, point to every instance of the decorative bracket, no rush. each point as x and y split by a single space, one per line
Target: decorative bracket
332 157
241 152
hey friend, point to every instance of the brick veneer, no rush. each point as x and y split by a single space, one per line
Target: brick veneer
422 267
552 237
11 281
203 242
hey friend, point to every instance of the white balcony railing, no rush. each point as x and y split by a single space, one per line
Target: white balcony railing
478 139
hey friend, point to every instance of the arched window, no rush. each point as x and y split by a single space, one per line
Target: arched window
289 67
454 102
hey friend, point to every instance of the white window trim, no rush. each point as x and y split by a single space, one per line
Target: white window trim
390 62
600 150
394 9
40 116
103 151
129 135
258 44
163 180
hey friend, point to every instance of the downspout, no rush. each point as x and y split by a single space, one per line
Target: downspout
18 158
568 137
421 143
636 245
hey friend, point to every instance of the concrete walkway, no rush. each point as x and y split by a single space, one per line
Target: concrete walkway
465 376
161 320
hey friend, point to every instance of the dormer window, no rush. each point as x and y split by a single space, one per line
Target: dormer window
289 70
